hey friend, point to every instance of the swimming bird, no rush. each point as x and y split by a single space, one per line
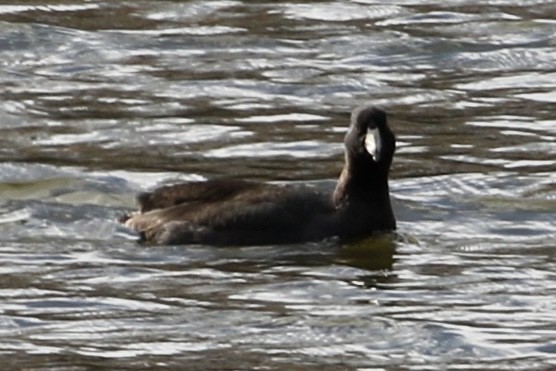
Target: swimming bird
236 212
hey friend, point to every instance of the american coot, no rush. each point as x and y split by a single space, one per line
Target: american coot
232 212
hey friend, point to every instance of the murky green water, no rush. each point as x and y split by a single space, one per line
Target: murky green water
100 100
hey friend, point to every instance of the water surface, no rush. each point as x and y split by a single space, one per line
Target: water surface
100 100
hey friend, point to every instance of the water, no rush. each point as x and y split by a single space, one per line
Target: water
100 100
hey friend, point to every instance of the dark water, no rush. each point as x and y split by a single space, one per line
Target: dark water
100 100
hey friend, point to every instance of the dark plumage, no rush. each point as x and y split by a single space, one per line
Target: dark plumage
231 212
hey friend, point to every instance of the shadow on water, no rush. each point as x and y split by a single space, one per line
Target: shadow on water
375 253
372 253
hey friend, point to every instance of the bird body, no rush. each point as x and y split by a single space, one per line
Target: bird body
235 212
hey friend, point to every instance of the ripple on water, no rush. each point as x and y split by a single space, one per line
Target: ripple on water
497 207
185 12
435 17
340 12
300 149
508 59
